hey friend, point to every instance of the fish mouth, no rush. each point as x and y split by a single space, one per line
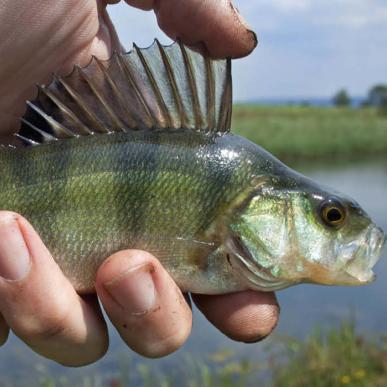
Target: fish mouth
360 267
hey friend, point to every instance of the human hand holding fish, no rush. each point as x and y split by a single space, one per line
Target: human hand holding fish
37 301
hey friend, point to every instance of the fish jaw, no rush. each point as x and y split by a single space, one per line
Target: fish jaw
358 259
360 268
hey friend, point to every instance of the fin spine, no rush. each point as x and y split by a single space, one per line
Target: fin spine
150 120
192 85
114 118
130 121
173 83
155 87
225 113
26 139
55 125
47 136
97 125
65 110
210 94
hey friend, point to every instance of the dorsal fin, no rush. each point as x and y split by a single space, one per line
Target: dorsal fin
156 88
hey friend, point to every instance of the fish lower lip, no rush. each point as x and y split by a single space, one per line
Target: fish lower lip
376 239
366 256
383 239
368 278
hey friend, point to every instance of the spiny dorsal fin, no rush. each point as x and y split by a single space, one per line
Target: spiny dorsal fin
156 88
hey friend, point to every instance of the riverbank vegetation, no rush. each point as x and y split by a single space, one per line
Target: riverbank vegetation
340 357
313 133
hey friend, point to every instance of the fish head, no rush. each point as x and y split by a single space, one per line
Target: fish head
303 233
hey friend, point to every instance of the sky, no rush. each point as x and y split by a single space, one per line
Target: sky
307 48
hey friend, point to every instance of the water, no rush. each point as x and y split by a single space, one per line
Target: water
302 307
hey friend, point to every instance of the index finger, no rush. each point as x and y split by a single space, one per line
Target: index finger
215 23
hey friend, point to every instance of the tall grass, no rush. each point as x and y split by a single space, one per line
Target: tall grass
302 132
338 358
220 369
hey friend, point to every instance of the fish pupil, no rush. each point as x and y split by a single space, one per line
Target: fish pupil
334 215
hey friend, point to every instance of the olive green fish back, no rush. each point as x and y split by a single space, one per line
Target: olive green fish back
156 88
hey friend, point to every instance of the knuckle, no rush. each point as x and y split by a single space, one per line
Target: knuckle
52 328
160 348
43 326
163 344
7 215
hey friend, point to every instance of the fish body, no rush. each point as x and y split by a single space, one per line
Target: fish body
167 193
219 212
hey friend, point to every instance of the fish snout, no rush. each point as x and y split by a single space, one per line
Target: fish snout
368 254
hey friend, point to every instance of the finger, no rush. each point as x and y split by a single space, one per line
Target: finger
247 316
216 23
38 302
106 40
146 5
144 304
4 331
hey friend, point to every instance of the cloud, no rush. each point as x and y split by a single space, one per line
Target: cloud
307 47
346 13
134 25
313 47
354 14
286 5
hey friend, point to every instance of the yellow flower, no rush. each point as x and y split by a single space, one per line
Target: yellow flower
359 374
232 368
345 379
221 356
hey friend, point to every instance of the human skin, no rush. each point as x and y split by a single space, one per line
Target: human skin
149 311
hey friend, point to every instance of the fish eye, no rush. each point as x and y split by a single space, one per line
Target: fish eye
333 213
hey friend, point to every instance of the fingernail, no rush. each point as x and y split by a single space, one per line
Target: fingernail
254 38
15 259
134 290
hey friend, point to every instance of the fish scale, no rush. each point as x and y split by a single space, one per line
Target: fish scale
112 201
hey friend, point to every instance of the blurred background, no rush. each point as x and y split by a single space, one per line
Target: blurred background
314 93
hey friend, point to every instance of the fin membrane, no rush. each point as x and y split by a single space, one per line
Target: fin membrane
156 88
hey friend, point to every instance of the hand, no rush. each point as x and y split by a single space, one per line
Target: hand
37 302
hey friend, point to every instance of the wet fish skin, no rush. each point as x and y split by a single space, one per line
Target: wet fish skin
182 196
161 192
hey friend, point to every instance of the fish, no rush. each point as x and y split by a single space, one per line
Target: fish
136 152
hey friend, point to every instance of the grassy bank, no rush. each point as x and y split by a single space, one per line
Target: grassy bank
337 358
297 132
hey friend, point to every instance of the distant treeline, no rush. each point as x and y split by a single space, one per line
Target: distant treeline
377 97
